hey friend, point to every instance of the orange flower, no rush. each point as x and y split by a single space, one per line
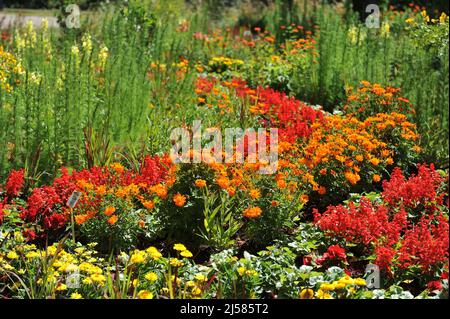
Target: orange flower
179 200
274 203
81 219
101 190
200 183
252 212
322 190
375 161
160 190
118 168
141 223
113 219
231 191
255 194
110 210
352 177
149 204
223 182
376 178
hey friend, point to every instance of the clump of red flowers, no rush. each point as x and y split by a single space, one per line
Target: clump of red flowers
334 253
14 183
388 230
421 191
47 204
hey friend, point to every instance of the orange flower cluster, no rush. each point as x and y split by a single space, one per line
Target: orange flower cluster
252 212
370 99
346 150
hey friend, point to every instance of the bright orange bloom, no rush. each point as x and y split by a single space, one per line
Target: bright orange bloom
160 190
231 191
352 177
376 178
149 204
110 210
255 194
113 219
118 168
200 183
141 223
179 200
322 190
81 219
252 212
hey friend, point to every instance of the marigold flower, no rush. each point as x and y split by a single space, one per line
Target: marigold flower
200 183
113 219
376 178
81 219
255 194
110 210
149 204
179 200
252 212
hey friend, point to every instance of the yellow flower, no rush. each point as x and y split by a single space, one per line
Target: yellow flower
98 278
201 277
360 282
179 247
61 287
138 257
12 255
76 295
241 270
307 293
151 276
186 254
87 281
175 262
323 295
327 287
196 291
144 294
154 253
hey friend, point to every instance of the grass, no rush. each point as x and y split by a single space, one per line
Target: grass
29 12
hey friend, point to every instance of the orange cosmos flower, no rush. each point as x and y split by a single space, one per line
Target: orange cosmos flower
179 200
110 210
252 212
200 183
322 190
113 219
